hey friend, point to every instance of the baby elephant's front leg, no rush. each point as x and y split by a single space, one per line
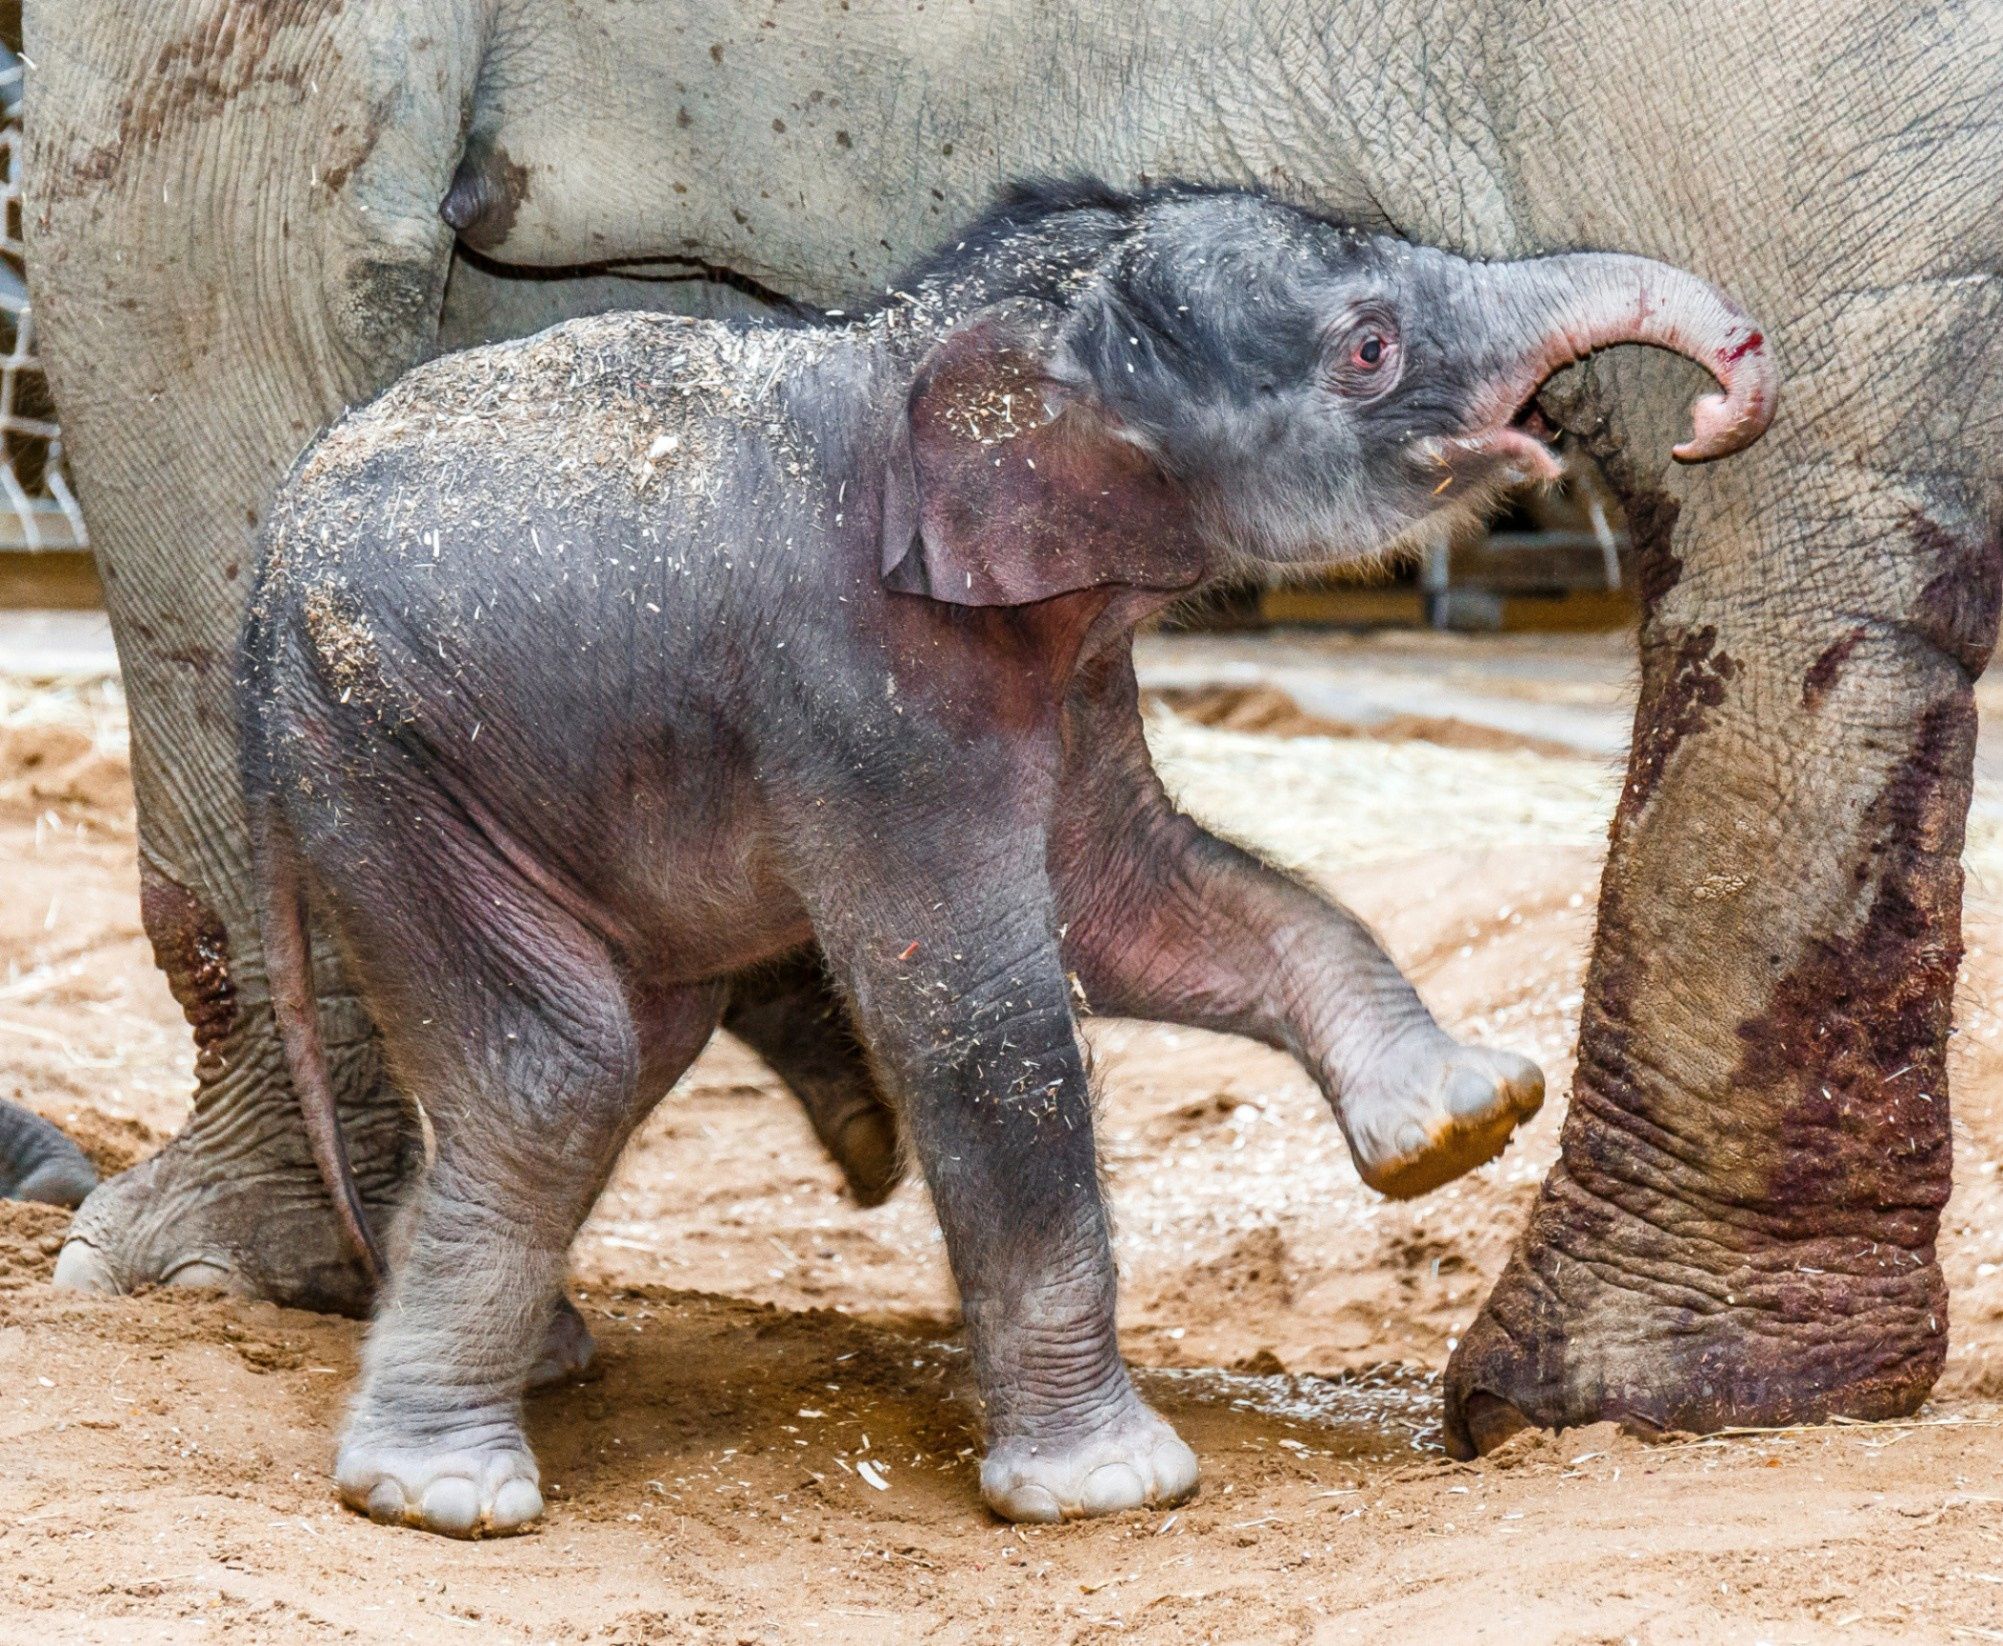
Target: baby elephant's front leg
1169 923
971 1020
1165 921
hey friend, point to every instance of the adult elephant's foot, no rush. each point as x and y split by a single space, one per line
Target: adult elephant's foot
1430 1109
1644 1309
475 1479
196 1215
1131 1459
169 1222
234 1200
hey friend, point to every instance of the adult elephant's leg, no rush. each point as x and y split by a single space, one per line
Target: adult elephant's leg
232 225
1741 1224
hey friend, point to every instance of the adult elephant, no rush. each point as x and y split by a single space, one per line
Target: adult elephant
235 216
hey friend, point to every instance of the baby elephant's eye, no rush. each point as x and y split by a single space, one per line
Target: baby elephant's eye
1364 362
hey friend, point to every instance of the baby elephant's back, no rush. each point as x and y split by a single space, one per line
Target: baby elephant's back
514 538
546 489
596 428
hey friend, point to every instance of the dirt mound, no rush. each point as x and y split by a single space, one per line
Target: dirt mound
113 1142
30 1236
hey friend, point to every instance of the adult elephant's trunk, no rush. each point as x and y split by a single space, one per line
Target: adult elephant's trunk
1566 307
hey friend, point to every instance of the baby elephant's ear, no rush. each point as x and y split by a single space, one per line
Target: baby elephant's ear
1005 488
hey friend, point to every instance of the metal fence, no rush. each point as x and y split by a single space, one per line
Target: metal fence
37 508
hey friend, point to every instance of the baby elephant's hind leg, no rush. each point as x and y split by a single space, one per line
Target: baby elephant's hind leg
530 1068
790 1015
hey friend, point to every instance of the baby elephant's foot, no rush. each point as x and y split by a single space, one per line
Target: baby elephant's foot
477 1483
1136 1462
1434 1109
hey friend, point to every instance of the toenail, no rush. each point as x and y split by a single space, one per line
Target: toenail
451 1504
386 1502
1175 1469
1412 1138
197 1271
1110 1487
1031 1503
515 1504
1469 1093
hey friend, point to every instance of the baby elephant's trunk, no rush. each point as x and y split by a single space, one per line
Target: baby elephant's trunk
1575 304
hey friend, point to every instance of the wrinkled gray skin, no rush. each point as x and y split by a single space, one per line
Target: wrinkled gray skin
234 232
584 673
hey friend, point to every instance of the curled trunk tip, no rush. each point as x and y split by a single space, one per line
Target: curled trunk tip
1721 424
1594 300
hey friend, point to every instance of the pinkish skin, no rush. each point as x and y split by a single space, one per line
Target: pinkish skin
1721 424
1685 317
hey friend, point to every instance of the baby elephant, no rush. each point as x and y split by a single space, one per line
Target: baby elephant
588 671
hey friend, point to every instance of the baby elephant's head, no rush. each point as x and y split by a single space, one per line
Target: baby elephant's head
1232 380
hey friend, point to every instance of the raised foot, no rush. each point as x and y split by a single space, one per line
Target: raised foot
457 1486
865 1146
1139 1462
1434 1111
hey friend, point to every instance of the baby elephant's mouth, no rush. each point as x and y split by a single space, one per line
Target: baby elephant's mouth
1531 421
1517 452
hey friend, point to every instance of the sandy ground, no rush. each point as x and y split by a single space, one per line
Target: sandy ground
163 1460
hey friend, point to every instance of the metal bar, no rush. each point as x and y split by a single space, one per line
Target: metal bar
46 516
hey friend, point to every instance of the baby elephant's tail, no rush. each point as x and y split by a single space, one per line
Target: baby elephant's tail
288 963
